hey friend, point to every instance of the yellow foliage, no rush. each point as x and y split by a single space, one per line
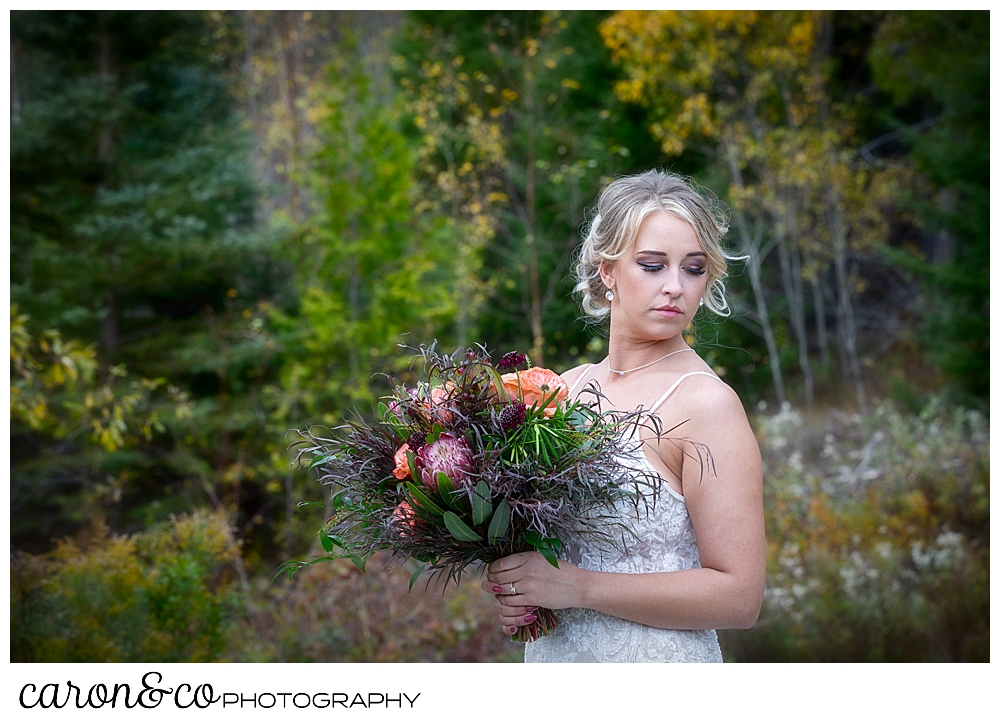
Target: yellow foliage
156 596
116 417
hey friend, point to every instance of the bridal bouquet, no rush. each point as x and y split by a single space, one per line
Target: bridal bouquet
474 464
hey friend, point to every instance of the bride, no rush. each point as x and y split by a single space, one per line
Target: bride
651 258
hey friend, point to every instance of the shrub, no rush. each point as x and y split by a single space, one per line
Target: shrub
162 595
335 613
878 538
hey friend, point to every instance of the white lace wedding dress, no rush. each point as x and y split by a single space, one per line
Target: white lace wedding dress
665 543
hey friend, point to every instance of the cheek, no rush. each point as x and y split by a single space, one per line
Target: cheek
698 283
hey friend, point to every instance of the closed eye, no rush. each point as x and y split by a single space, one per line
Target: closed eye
694 270
650 267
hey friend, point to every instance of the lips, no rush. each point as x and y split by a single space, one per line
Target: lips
668 311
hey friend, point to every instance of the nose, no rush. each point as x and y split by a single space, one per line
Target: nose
672 283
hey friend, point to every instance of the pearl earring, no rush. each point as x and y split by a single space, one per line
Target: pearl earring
609 295
701 302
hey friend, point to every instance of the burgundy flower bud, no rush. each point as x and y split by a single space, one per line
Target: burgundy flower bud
416 442
451 455
512 416
512 360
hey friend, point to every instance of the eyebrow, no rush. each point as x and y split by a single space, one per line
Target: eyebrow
660 253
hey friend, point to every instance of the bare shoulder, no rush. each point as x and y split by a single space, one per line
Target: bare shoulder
570 376
711 403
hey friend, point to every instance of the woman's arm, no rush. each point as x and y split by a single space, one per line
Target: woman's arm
726 512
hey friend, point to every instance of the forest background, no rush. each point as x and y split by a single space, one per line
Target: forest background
223 223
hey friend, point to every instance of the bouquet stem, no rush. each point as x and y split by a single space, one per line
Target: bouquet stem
545 623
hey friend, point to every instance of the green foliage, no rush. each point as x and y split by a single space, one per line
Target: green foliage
370 270
944 57
878 531
143 240
127 171
69 418
131 232
549 436
164 595
520 129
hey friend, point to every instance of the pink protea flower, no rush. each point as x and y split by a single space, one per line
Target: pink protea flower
449 454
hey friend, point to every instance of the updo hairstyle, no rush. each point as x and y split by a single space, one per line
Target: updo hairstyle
621 209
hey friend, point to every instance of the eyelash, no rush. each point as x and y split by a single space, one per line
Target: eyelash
657 267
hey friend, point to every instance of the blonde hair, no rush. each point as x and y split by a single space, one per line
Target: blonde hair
621 209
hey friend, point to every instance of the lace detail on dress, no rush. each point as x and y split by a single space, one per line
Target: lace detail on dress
665 543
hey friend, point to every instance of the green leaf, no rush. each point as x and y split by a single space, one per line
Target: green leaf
423 501
337 501
498 384
411 462
320 460
481 505
415 575
549 554
360 562
500 522
290 567
446 490
310 503
435 433
458 529
326 541
549 547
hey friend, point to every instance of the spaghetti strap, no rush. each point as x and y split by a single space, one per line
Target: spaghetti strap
674 386
579 379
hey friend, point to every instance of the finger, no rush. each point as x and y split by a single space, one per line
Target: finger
518 620
510 562
505 580
509 600
492 587
513 611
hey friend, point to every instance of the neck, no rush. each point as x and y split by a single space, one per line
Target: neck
629 354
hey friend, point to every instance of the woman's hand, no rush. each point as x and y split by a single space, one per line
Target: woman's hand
526 581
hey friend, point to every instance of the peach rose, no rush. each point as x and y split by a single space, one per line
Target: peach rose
440 405
404 518
534 385
402 470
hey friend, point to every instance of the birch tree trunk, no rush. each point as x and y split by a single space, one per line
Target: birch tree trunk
774 359
752 241
788 254
845 307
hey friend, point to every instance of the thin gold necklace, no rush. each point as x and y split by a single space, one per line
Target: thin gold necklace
623 373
